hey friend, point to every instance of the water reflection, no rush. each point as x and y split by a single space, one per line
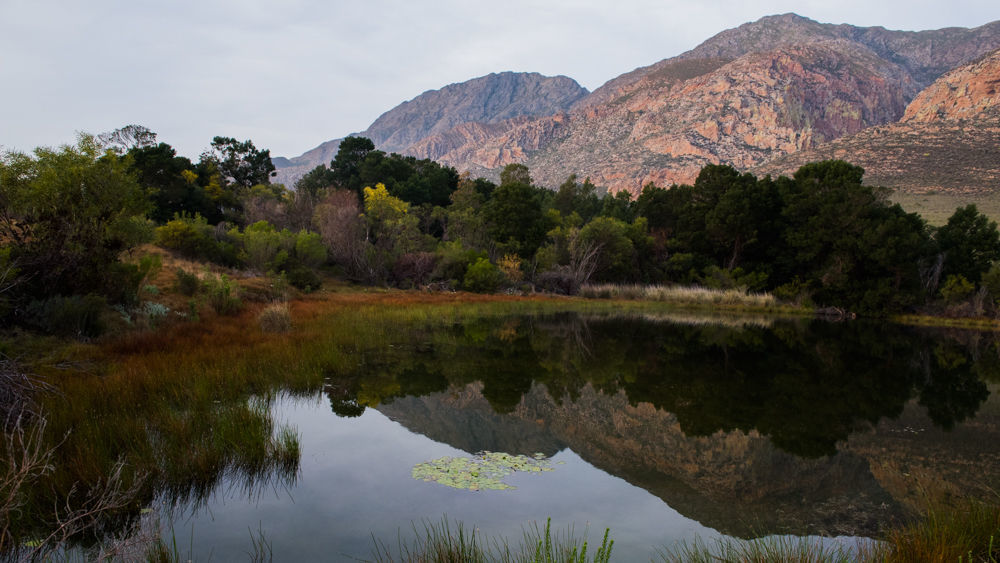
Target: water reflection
805 385
743 428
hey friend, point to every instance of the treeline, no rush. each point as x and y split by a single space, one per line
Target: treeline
69 217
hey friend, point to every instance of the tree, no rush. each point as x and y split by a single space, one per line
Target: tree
316 181
241 163
969 242
515 174
65 216
170 182
347 163
516 217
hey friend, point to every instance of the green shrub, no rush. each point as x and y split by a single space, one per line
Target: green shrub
187 283
195 238
223 295
454 261
77 315
304 278
956 288
309 249
483 277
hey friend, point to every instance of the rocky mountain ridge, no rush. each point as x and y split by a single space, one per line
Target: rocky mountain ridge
948 139
777 86
478 102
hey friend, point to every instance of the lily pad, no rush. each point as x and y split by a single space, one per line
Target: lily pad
484 471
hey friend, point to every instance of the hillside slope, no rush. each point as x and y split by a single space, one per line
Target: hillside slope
947 141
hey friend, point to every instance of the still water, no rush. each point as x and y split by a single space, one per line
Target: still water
663 429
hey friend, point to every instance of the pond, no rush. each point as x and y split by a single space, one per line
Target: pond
661 427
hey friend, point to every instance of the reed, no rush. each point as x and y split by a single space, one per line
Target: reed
677 294
444 542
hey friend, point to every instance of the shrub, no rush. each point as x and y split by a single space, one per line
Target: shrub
510 265
559 280
309 249
454 260
414 268
956 288
76 315
223 295
275 318
154 312
187 283
304 278
483 277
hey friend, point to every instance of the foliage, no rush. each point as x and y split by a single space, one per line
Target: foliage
187 283
223 294
956 288
510 265
483 277
970 243
417 182
193 237
515 217
62 217
304 278
309 249
241 162
454 260
78 316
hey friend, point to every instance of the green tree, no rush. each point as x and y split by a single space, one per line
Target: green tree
241 162
970 243
63 214
170 190
346 164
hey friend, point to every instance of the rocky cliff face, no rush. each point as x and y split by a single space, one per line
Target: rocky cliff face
947 140
969 92
765 89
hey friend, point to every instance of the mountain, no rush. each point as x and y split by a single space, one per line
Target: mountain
947 140
776 86
483 101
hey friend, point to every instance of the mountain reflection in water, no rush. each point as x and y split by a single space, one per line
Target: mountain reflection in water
790 428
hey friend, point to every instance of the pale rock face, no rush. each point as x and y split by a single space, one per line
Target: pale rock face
947 140
968 92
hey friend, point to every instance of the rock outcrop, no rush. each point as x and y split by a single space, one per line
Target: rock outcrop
948 139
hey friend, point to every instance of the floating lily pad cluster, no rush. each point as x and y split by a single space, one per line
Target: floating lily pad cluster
483 471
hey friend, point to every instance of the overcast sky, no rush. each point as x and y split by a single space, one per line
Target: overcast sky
292 74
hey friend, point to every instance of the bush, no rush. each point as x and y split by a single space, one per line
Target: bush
559 280
483 277
76 315
309 249
223 295
193 237
187 283
275 318
454 261
304 278
414 268
956 288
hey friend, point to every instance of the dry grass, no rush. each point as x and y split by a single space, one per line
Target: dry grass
937 207
677 294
